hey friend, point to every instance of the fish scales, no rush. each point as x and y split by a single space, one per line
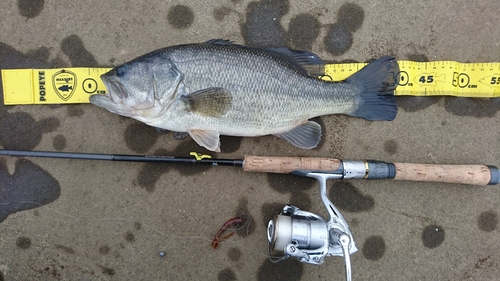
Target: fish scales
261 84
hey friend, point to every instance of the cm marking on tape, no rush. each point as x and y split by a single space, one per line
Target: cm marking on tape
439 78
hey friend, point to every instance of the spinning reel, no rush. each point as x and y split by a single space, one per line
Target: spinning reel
308 237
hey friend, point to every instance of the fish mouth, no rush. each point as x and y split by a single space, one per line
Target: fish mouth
113 99
116 90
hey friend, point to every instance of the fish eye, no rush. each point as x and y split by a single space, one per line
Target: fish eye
120 71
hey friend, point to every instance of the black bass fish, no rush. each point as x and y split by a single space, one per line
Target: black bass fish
220 88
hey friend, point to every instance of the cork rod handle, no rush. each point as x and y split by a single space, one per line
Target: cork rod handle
285 165
465 174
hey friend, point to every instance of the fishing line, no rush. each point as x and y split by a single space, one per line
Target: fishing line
179 237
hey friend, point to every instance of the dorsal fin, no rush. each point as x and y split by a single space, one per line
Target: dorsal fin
308 61
222 42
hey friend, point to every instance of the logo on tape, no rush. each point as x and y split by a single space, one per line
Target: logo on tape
64 83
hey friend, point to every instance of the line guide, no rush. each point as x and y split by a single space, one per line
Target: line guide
437 78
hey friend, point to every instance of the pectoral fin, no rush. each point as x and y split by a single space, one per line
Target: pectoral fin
210 102
208 139
305 136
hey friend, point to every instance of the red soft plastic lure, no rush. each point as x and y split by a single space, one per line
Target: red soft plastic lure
225 226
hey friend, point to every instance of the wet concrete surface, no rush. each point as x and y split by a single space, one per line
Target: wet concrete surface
94 220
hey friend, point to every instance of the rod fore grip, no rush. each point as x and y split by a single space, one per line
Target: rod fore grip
285 165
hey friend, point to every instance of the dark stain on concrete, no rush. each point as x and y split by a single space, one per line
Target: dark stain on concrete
104 250
487 221
48 125
289 270
433 236
30 8
262 27
59 142
345 196
75 110
303 30
12 58
338 39
417 57
2 278
137 225
73 47
301 200
373 248
472 107
21 131
65 249
221 12
226 274
289 183
40 54
351 16
230 144
29 187
106 270
234 254
129 236
269 210
180 16
151 172
23 242
248 226
413 104
294 185
140 137
391 146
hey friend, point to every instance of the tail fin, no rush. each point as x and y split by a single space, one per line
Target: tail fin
377 82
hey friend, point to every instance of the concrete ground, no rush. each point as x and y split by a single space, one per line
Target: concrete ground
96 220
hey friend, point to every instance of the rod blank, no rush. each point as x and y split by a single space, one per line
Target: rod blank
121 157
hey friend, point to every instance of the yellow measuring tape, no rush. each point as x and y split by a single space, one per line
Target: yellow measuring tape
439 78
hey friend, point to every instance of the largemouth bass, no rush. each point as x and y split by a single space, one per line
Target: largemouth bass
220 88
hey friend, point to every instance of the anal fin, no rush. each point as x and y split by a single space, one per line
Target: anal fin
306 136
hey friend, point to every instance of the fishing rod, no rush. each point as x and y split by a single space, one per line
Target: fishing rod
297 233
347 169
